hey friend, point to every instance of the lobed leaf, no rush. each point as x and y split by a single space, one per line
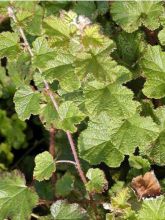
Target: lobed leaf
9 44
16 199
97 182
156 150
62 210
64 185
153 64
114 99
61 69
132 14
109 139
69 115
152 209
26 102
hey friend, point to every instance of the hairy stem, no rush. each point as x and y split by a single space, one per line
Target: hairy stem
52 151
52 132
69 136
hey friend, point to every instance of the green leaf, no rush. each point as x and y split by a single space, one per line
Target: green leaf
161 36
26 102
48 114
132 14
86 8
34 26
139 163
109 139
97 182
153 65
57 28
114 99
9 44
29 17
61 69
69 115
44 166
120 200
92 37
42 52
101 66
116 188
62 210
16 199
44 189
156 150
153 209
64 185
19 69
95 144
129 48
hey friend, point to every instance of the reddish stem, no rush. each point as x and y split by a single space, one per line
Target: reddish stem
52 132
52 151
73 148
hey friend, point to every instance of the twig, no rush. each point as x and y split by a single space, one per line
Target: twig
49 92
70 139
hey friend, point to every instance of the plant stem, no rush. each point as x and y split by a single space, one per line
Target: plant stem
52 132
52 151
66 161
69 136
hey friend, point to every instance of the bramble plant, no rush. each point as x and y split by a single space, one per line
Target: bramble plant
87 79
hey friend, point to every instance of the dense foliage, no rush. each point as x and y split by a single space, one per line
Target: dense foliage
81 81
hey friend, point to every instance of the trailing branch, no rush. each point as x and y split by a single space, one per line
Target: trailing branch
69 136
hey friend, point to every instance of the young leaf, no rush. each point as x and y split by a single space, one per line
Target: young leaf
120 200
114 99
16 199
153 64
65 185
9 44
97 182
44 166
138 162
69 115
26 102
62 210
132 14
109 139
153 209
92 38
